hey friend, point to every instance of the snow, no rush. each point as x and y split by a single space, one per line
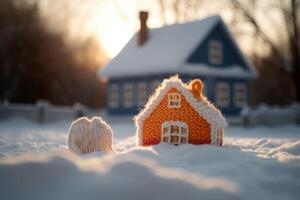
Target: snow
166 52
272 116
204 69
255 163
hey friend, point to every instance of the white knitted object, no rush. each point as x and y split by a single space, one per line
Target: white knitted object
86 136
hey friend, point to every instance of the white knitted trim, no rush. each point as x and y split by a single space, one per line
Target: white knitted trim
204 108
212 134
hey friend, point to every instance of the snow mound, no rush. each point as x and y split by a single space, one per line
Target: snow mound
272 116
254 163
132 177
86 136
164 172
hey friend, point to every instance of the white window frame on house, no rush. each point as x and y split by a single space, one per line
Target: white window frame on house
113 95
222 94
215 52
175 132
174 100
240 95
128 95
142 93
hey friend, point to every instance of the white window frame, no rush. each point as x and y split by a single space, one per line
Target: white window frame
222 97
215 52
174 100
128 95
113 95
240 95
167 134
142 93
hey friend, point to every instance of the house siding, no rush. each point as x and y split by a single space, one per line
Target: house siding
209 90
231 54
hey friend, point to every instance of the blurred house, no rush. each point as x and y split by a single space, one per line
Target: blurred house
202 49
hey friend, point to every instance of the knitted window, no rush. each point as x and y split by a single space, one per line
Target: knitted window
175 132
174 100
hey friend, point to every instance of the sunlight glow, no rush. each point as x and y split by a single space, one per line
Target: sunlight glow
115 22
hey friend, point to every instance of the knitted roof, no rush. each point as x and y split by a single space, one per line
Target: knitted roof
204 108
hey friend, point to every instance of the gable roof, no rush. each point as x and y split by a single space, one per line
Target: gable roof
204 108
167 51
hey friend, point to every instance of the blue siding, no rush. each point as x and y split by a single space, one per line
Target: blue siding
231 55
231 109
210 84
121 110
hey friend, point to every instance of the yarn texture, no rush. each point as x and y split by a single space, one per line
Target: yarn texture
87 136
191 118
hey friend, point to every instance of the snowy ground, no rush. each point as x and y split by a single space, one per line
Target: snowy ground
255 163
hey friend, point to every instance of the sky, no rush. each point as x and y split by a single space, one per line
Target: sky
119 20
113 22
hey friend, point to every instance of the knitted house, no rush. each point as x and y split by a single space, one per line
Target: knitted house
178 113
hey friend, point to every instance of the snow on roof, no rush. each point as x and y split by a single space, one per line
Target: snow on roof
166 51
204 108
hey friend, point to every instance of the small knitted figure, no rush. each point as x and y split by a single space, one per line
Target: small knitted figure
179 113
86 136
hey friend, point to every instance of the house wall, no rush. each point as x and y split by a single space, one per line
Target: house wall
231 56
209 91
198 128
231 53
121 109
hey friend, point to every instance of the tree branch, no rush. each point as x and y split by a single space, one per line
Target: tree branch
249 16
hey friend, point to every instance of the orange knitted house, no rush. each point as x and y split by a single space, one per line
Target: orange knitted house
178 113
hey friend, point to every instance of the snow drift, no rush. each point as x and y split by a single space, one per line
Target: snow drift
165 172
254 163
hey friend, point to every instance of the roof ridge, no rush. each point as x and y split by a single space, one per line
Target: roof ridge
216 17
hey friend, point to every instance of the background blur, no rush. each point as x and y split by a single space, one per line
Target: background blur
53 49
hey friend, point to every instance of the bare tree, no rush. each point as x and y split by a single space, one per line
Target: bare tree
289 12
181 10
37 63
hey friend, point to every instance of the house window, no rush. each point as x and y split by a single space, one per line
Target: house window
174 100
175 132
113 96
128 95
222 94
215 52
142 93
240 94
